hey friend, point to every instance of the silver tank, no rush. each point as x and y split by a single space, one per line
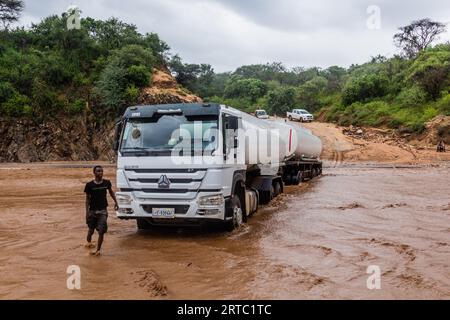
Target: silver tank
294 142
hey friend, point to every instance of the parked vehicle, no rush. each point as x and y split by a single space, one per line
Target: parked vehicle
261 114
220 179
300 115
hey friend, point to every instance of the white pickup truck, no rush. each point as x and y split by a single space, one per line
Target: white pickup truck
300 115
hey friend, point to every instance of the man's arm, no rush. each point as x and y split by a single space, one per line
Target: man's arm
88 198
113 196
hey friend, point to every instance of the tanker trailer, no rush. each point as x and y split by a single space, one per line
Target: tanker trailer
229 163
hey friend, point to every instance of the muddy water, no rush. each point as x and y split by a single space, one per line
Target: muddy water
315 241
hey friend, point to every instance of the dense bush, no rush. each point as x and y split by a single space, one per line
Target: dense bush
47 69
238 87
364 87
281 100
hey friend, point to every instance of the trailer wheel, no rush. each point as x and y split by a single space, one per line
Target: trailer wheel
238 215
297 178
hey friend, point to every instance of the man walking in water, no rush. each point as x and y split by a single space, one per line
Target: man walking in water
96 207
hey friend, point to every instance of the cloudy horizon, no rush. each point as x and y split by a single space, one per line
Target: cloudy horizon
231 33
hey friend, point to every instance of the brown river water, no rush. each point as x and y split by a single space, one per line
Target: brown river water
316 241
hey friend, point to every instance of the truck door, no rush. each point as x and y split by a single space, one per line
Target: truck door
230 125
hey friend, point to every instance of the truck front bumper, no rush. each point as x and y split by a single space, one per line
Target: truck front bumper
187 212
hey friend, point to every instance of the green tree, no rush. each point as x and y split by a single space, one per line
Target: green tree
364 87
431 70
418 36
238 87
128 68
10 11
281 100
309 93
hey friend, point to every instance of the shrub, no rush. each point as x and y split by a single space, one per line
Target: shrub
411 97
138 75
364 87
280 101
131 94
238 87
76 107
18 105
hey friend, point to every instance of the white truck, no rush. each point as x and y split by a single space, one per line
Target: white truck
261 114
300 115
233 163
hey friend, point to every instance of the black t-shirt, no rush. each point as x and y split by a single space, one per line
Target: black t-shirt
97 191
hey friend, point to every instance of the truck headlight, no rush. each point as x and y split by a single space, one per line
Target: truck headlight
214 200
125 211
123 199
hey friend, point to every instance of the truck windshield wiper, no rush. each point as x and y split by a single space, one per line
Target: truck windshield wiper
142 152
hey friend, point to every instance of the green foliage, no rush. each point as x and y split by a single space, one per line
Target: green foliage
443 105
139 75
197 78
17 105
411 97
57 68
76 107
127 69
281 100
431 70
111 86
131 94
238 87
310 91
364 87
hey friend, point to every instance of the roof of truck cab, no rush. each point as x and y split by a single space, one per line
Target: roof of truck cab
188 109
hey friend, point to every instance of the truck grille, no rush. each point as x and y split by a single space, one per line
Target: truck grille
179 209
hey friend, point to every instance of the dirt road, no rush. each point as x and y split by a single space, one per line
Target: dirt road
315 241
339 147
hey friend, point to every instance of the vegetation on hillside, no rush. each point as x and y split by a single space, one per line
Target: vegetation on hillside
403 91
50 69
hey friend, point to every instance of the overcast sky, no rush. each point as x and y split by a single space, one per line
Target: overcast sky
231 33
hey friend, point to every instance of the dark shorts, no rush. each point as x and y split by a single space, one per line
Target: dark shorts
98 220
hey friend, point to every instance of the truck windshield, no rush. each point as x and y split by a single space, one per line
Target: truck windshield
163 135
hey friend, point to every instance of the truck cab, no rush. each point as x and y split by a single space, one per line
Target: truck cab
163 177
186 165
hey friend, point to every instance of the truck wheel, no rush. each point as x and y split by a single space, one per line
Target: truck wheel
277 189
238 218
287 180
300 119
143 224
266 196
290 118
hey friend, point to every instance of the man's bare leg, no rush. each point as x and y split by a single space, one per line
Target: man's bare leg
89 243
99 244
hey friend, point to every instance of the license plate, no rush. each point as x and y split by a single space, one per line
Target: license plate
163 212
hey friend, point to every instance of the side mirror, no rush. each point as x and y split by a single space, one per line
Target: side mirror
117 131
115 146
